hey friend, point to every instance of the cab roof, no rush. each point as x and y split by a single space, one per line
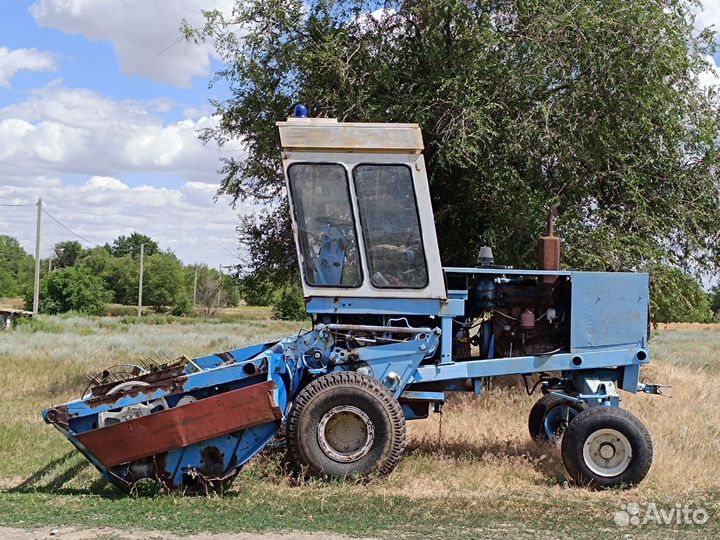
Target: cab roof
329 135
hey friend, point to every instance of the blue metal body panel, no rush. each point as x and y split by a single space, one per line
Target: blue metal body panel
609 309
400 359
385 306
517 365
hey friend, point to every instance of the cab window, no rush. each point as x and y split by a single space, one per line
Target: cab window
390 226
326 228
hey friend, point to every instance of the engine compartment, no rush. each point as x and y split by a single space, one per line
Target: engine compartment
516 317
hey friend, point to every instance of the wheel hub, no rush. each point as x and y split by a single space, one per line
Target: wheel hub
345 433
556 421
607 452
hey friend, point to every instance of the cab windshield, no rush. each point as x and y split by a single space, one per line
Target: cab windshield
326 228
390 226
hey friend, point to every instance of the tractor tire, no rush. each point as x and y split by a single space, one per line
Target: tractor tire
545 422
607 447
346 425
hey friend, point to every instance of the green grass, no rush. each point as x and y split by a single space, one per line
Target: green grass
485 479
686 345
263 504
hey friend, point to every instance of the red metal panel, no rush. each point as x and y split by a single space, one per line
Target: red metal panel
182 426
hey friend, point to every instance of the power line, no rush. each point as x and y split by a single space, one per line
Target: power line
18 204
178 40
68 228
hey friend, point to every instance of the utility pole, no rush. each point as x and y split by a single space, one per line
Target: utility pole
36 291
140 282
195 287
219 284
49 264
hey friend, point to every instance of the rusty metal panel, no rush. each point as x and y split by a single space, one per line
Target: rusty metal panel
182 426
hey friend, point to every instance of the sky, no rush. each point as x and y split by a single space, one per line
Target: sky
101 102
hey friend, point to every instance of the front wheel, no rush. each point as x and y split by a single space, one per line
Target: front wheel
346 424
550 417
606 447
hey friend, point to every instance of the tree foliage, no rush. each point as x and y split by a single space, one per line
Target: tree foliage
167 283
120 274
72 289
16 268
288 303
595 103
163 281
715 301
130 245
677 297
67 254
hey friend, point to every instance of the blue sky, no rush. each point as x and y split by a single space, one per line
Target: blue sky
100 106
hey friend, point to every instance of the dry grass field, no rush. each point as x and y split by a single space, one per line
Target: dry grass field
481 477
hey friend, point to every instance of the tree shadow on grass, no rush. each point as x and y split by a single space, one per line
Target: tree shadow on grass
543 457
54 477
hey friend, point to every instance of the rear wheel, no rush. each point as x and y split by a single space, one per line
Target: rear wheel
607 447
550 417
346 424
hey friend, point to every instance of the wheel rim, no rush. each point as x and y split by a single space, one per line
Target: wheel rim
607 452
345 433
553 423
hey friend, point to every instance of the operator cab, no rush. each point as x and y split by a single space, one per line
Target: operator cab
361 211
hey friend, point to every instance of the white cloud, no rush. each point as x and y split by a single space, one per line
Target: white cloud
708 14
64 130
186 219
711 76
12 61
145 34
60 132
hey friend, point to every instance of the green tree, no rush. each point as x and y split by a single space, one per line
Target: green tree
230 291
72 289
714 297
16 268
677 297
120 274
8 284
597 103
163 281
258 288
67 254
130 245
288 303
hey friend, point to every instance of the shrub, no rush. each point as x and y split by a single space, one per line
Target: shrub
72 289
182 307
288 303
258 289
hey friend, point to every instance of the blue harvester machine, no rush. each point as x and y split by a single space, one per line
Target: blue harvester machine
393 331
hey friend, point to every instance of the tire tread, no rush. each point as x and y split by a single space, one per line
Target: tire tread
357 380
574 440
